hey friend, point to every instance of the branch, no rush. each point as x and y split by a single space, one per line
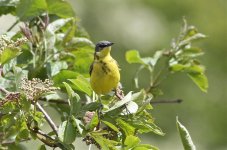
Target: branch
175 101
54 101
46 139
3 90
13 25
48 119
152 102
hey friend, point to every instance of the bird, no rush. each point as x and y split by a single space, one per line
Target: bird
104 71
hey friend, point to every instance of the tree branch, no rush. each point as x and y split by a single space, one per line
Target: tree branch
13 25
46 139
48 119
174 101
54 101
161 101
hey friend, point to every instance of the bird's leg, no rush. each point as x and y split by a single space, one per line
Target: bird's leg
119 93
99 111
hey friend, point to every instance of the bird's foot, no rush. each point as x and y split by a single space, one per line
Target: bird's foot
119 93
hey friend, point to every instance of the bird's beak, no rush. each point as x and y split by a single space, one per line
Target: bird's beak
111 43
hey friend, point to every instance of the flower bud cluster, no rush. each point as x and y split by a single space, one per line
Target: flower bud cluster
34 88
5 42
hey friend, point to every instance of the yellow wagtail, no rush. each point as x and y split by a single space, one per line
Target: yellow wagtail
104 70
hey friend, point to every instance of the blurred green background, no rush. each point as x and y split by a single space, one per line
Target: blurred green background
150 25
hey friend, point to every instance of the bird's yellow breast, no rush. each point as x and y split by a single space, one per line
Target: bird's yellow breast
105 75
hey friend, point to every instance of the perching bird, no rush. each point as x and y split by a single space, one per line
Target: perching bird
104 70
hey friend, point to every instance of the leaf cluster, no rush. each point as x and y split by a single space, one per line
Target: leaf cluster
181 57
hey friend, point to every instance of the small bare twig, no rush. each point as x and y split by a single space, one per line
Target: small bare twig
55 101
167 101
13 25
161 101
48 119
3 90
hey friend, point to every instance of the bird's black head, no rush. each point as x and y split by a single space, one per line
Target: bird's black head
102 44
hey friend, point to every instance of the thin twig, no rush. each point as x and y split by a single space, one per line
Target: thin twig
167 101
13 25
54 101
48 119
161 101
3 90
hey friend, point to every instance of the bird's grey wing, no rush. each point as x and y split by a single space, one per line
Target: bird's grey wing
91 68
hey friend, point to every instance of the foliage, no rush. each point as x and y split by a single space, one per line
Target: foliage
52 46
185 137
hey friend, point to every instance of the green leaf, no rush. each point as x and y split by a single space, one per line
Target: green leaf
57 24
63 76
185 136
42 147
91 106
28 9
74 100
178 67
139 97
8 6
200 80
70 34
23 132
189 68
196 69
145 127
82 84
60 8
127 128
192 52
67 132
81 42
190 39
15 146
131 108
105 144
19 75
51 29
110 125
8 54
84 58
120 103
145 147
69 90
133 56
78 124
131 141
93 123
153 60
75 105
56 67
